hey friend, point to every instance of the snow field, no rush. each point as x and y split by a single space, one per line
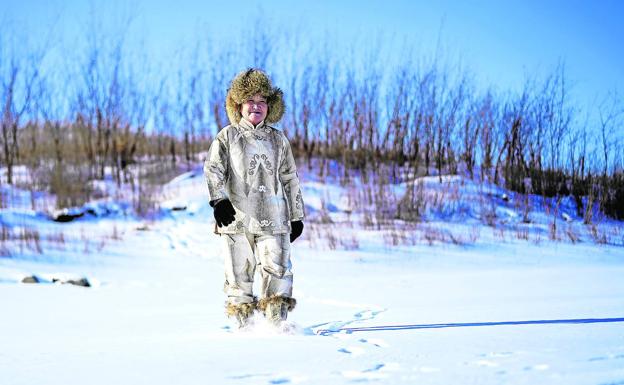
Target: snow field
155 314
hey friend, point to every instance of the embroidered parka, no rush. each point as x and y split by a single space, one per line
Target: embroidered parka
255 169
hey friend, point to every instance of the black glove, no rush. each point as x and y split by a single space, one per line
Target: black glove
296 230
224 212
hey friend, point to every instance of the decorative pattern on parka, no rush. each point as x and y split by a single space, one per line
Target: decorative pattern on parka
255 169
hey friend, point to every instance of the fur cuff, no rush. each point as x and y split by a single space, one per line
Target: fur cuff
244 310
277 300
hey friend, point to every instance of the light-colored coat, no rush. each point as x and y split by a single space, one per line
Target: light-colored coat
254 168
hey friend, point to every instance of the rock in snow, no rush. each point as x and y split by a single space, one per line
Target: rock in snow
31 279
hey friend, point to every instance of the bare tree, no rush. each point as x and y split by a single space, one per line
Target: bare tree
21 74
610 115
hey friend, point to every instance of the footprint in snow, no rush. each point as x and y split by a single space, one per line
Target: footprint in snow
367 314
379 371
335 326
247 376
271 378
497 354
378 342
280 381
354 350
609 357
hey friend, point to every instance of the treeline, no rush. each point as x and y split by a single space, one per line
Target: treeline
106 109
536 141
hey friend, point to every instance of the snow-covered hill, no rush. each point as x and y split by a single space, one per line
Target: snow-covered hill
450 299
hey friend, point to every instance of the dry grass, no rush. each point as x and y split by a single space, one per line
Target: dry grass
433 235
598 235
21 239
522 232
553 233
56 240
572 234
499 233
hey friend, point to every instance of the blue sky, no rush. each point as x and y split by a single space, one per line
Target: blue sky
501 42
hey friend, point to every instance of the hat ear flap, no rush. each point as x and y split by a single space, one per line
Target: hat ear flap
276 106
233 109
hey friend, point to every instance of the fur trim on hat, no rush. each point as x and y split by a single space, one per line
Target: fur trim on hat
247 84
277 300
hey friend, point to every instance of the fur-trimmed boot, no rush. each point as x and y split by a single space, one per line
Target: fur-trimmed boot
276 308
241 312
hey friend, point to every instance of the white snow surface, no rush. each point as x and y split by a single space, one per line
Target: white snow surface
443 313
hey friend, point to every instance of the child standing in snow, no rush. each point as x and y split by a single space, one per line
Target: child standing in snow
254 190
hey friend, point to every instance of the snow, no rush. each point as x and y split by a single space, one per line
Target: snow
154 313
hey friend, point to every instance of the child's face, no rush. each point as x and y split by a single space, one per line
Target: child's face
254 109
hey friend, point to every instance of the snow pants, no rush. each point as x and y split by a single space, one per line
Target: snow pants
245 252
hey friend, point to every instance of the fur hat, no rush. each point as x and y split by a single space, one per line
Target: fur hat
245 85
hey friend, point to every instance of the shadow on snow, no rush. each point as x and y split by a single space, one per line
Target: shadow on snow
325 332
